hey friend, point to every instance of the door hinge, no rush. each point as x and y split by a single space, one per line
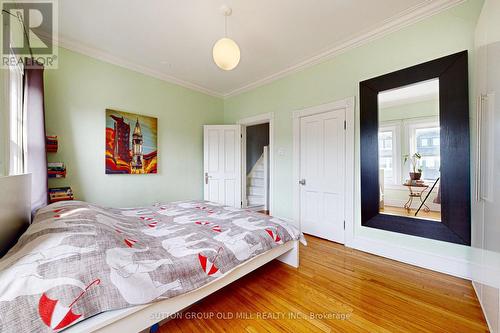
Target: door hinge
241 203
344 225
345 124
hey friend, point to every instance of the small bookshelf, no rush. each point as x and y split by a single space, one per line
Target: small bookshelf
51 143
56 170
60 194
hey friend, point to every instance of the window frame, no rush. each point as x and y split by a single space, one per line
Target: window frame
15 124
404 143
411 126
394 126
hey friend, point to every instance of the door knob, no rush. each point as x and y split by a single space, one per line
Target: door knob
302 182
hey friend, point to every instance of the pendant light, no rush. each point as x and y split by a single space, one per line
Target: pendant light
226 52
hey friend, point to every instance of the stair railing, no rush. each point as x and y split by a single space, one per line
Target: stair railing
266 177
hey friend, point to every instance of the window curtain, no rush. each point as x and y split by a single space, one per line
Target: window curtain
35 157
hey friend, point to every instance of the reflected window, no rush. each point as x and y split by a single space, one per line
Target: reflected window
389 153
425 141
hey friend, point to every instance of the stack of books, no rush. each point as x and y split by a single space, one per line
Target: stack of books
60 194
56 170
51 143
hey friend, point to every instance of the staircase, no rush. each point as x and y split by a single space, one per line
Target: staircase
256 184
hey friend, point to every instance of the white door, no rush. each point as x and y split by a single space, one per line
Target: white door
322 176
222 164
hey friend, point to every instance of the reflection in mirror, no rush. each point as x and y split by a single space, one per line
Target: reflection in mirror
409 151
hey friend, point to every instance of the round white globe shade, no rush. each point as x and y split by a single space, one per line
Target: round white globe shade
226 54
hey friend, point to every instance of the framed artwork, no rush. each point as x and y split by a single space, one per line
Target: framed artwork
131 143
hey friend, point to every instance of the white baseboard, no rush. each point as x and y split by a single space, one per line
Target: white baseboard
439 263
479 295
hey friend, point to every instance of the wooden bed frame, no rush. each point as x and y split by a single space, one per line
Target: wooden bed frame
139 318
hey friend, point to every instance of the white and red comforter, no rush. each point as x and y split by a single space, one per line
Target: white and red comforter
77 260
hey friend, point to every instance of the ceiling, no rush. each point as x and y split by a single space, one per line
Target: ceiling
173 40
418 92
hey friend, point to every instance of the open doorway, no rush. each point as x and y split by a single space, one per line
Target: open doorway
257 163
257 167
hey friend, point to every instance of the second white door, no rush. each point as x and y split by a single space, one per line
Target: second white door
222 164
322 175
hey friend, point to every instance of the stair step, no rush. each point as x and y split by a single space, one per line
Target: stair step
255 200
255 181
255 190
258 167
256 208
255 177
255 203
257 174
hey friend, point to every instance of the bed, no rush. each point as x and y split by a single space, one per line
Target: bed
84 268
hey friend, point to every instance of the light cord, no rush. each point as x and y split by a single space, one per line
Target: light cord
225 26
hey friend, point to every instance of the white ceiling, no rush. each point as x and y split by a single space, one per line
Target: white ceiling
173 40
412 93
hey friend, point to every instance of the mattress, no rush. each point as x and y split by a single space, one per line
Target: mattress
77 259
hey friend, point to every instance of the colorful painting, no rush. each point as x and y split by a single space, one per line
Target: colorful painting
131 143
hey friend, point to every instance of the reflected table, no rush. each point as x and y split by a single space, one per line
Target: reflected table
416 191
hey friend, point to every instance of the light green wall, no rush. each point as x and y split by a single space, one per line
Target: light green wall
76 96
442 34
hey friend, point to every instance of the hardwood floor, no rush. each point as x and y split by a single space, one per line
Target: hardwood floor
400 211
337 289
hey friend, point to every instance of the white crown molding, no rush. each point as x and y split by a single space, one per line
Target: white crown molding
75 46
395 23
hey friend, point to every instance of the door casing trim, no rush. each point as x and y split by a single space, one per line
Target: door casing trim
249 121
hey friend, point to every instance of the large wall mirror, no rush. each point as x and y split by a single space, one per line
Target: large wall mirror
415 155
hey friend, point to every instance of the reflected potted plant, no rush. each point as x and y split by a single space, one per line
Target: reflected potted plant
414 161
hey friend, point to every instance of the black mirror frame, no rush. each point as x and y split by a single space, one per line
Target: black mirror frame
455 227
